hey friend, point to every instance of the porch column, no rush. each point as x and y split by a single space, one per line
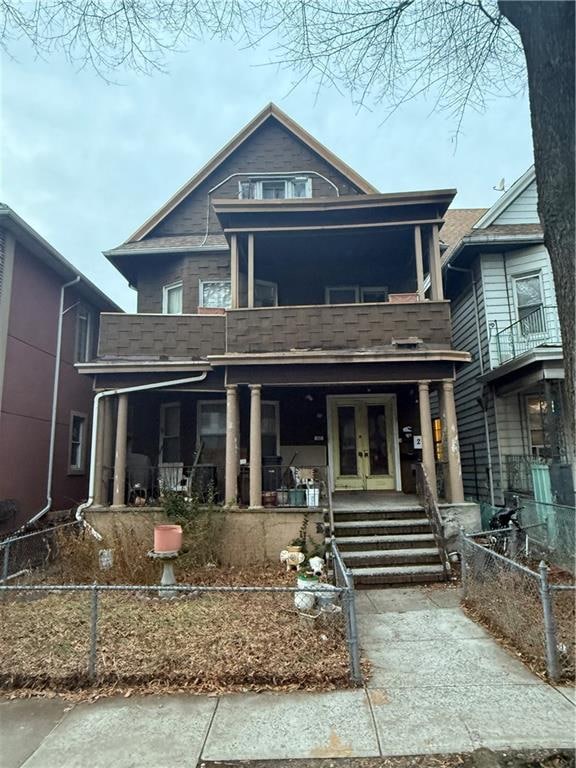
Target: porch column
231 484
426 433
120 456
107 446
454 487
250 270
234 271
419 262
255 446
436 290
99 455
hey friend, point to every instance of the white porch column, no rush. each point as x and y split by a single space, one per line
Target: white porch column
436 289
255 446
231 483
107 447
234 276
120 455
99 455
426 433
454 486
419 262
250 270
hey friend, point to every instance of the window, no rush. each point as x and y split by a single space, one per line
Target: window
374 293
342 294
537 410
528 294
211 437
84 321
170 433
77 452
269 429
215 293
265 294
172 299
275 188
438 442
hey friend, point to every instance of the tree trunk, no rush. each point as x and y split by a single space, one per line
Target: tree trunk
548 36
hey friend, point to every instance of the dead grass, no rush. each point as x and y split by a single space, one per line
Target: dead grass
200 643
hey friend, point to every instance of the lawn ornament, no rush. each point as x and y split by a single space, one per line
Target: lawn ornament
293 558
317 566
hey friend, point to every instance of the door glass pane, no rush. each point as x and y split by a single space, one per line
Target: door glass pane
347 440
212 432
377 440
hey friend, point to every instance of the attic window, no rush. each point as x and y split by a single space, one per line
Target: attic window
275 188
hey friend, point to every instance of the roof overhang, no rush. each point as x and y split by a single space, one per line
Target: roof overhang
350 211
473 244
330 357
142 366
536 365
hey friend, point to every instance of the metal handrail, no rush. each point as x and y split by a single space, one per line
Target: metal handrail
433 514
540 326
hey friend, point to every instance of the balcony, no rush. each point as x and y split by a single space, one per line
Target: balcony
342 327
540 328
161 337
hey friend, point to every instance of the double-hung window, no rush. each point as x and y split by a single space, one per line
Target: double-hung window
84 323
215 293
172 299
275 188
77 447
528 295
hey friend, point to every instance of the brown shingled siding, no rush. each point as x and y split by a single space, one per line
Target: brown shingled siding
271 148
343 327
191 337
154 274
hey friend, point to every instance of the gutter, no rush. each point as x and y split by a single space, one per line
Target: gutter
61 313
109 393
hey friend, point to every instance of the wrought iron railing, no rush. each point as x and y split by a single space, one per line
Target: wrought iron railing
535 329
428 500
292 486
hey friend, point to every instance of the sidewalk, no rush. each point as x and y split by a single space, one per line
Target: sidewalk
440 684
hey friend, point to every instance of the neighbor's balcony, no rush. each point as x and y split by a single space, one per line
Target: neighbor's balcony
346 327
147 336
538 329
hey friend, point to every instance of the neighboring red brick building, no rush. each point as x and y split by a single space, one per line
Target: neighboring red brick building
32 274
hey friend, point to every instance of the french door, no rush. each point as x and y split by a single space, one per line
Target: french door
362 434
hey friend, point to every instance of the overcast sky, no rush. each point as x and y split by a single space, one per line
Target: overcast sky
85 162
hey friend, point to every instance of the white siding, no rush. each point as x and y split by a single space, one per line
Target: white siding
523 210
511 424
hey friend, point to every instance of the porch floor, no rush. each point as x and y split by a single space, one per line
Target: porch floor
372 500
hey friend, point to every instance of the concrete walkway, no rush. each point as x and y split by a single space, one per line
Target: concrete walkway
440 684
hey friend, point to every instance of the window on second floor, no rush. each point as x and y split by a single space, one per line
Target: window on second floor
215 293
172 299
528 297
84 334
276 188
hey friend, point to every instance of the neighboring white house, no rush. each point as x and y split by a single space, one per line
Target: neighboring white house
509 400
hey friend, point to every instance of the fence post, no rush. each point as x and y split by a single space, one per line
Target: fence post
352 631
6 561
93 633
552 665
463 563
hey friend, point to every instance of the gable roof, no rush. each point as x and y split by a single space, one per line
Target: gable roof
42 249
519 186
270 111
457 223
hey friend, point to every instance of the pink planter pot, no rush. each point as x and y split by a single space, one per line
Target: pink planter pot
167 538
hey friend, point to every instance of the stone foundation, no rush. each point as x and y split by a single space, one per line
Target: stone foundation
464 515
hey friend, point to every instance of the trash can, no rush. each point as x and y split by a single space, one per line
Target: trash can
271 473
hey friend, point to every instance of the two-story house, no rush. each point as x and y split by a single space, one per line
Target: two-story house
509 401
282 322
49 316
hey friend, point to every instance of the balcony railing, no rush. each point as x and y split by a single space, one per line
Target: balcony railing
538 328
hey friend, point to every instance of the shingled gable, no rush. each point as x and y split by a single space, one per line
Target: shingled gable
269 113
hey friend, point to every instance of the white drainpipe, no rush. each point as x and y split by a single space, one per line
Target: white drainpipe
109 393
55 385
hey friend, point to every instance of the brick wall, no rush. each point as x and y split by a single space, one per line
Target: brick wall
190 337
359 326
272 149
153 275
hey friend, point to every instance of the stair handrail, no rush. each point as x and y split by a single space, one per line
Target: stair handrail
428 499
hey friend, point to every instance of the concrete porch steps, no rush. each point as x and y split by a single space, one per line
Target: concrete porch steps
397 574
382 527
371 543
388 557
388 513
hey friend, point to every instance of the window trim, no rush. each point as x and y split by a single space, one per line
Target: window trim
525 276
202 283
80 469
84 355
289 180
165 290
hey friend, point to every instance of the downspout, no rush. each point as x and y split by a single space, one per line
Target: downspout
109 393
480 400
61 313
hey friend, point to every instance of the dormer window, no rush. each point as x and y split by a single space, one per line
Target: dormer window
275 188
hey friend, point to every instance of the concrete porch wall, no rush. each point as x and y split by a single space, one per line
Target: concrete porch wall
248 537
465 515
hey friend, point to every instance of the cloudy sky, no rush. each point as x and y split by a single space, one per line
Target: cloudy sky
86 162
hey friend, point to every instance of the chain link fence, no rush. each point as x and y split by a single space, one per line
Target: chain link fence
20 555
527 607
